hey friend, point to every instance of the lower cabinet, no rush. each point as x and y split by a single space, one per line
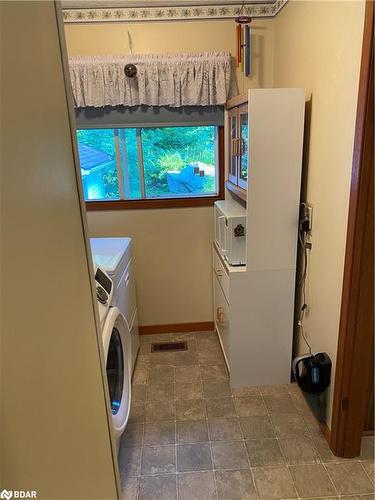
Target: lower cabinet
253 314
221 311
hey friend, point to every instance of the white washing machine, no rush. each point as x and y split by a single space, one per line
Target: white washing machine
117 352
114 256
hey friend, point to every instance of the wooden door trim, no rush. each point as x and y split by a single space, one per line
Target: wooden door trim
353 356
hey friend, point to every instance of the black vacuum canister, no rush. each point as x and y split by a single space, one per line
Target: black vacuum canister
313 372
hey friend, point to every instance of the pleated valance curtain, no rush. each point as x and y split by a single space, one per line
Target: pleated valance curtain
161 80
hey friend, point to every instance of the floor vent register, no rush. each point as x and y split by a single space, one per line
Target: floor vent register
169 346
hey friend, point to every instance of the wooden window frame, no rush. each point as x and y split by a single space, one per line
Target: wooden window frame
191 201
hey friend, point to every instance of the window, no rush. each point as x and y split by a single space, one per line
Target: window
121 166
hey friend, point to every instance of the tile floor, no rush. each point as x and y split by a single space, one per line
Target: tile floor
191 437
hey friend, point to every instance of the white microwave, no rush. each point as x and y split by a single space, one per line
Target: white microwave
230 231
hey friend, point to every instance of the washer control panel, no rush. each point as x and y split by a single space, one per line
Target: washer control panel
103 279
104 287
101 294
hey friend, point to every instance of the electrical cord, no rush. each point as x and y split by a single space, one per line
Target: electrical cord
303 244
302 281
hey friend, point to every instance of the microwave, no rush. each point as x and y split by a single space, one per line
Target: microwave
230 231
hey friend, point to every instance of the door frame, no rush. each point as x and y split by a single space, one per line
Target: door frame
356 330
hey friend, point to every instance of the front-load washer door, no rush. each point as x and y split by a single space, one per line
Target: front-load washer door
117 352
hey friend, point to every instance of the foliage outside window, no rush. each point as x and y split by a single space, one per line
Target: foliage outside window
149 163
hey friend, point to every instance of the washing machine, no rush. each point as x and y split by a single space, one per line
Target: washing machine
117 352
114 256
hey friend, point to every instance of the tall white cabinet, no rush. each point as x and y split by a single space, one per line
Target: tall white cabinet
254 304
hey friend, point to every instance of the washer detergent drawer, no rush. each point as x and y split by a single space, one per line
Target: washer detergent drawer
125 293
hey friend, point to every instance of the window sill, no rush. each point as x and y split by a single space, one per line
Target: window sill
199 201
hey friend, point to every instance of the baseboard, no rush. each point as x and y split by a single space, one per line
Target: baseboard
326 431
177 328
368 433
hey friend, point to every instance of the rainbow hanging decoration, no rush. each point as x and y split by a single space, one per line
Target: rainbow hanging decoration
243 35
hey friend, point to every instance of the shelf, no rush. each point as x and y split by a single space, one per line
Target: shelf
236 101
227 267
241 193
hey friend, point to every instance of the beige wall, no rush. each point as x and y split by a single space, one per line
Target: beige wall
172 254
54 429
174 37
318 47
171 246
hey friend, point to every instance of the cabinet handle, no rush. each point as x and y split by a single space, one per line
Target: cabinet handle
219 272
239 147
220 314
234 147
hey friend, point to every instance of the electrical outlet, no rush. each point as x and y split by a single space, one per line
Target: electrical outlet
306 218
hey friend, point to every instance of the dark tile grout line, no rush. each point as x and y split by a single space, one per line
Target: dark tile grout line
371 477
175 450
177 444
225 470
247 454
175 439
288 392
278 443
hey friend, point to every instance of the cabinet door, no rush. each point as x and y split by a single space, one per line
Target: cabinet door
221 312
233 145
243 158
